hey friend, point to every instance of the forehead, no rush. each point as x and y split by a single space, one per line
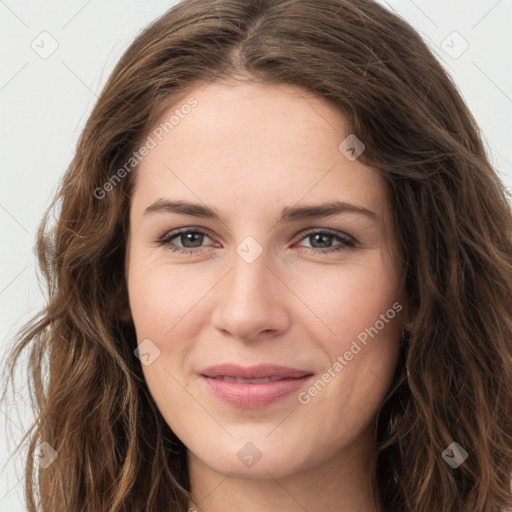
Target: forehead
254 146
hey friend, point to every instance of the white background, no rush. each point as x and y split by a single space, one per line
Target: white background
44 104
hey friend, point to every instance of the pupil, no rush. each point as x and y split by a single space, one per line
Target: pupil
189 237
318 237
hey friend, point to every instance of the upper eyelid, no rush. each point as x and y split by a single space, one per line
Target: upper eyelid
181 231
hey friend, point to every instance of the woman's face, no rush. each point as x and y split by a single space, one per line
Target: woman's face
270 273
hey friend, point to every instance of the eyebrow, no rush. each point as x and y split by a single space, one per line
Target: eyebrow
287 214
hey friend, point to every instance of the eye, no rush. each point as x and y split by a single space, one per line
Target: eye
191 240
321 241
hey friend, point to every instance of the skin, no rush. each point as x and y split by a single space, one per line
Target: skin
247 151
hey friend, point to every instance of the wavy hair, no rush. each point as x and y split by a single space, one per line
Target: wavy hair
453 381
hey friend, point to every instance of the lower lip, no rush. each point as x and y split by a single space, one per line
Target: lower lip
253 396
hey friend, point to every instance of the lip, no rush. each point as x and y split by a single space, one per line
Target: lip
253 395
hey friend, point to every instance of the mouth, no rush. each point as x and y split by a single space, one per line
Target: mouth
261 371
253 387
250 381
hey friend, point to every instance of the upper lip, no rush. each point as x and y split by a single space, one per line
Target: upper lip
253 372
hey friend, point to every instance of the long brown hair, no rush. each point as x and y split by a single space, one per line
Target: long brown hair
453 381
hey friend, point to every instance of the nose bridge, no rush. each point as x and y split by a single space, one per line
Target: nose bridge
248 280
249 275
247 300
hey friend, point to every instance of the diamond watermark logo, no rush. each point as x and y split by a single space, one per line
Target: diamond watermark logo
454 455
454 45
45 45
249 249
249 455
44 455
351 147
147 352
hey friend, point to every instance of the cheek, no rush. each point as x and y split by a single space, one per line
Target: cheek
164 314
164 299
348 299
166 308
359 331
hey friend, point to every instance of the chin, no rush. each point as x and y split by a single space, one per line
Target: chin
246 459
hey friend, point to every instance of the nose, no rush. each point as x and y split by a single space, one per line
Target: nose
251 301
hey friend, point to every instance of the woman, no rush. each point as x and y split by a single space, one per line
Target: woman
280 277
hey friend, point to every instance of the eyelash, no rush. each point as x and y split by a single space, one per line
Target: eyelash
346 241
